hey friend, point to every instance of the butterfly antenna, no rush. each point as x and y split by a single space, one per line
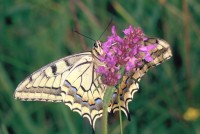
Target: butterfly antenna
84 35
106 28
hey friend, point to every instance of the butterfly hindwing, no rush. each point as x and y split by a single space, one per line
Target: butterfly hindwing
127 88
81 90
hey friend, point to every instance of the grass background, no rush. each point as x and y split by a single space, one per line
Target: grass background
34 33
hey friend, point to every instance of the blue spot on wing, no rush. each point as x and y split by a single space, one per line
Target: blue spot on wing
67 83
98 103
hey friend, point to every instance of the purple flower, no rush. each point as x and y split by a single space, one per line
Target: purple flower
110 76
147 48
128 30
127 52
131 63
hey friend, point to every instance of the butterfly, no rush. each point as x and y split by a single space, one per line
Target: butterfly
74 81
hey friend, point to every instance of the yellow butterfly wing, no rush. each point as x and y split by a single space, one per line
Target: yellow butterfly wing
130 84
45 84
81 90
72 80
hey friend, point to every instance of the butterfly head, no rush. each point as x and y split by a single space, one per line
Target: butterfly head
97 49
97 44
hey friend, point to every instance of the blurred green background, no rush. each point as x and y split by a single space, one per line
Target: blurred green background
36 32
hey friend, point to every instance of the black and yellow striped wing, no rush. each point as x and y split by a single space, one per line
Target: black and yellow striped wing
83 90
45 84
130 83
72 80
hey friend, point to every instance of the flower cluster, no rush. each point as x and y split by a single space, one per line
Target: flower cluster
127 53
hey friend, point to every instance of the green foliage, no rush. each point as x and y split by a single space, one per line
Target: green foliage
36 32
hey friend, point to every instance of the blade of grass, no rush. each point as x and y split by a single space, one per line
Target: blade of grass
127 17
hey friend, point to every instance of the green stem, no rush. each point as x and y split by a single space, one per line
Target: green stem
105 118
106 101
120 113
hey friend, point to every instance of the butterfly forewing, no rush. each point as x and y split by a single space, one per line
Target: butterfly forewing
160 54
44 84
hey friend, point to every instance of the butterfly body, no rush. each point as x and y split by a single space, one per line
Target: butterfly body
73 80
